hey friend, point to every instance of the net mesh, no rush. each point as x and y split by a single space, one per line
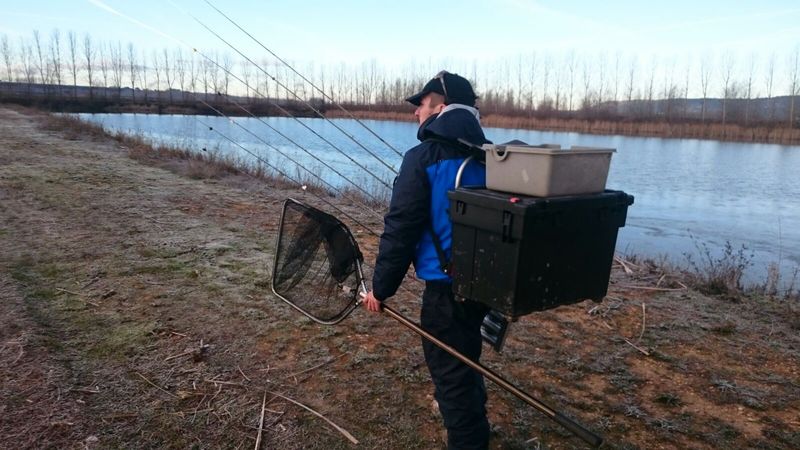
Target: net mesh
316 263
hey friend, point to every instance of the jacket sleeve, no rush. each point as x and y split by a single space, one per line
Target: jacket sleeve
404 224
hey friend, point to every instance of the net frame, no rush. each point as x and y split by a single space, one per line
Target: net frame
302 258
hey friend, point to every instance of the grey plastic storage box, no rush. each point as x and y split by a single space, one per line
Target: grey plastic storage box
521 254
546 170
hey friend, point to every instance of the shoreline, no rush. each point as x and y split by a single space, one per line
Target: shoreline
761 134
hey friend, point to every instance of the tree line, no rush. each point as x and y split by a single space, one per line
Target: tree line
727 89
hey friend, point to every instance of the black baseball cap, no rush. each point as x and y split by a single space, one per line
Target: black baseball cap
454 88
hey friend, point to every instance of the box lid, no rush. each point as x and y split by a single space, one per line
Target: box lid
525 205
545 149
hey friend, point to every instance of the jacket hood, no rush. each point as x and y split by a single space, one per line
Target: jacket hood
453 123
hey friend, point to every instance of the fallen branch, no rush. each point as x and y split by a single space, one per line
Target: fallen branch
229 383
96 390
69 292
156 386
324 363
623 264
188 352
337 427
245 376
261 421
645 352
648 288
643 322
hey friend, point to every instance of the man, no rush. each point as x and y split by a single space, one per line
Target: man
416 224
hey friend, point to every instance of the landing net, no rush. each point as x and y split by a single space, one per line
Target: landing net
316 266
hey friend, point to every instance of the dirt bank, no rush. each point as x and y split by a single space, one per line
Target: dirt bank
135 313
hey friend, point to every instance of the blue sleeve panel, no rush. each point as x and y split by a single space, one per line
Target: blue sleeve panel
442 178
419 202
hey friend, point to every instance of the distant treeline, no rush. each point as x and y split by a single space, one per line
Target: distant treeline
72 72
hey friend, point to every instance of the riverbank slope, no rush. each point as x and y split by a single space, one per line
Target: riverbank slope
135 312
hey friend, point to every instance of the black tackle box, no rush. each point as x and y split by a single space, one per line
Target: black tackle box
520 254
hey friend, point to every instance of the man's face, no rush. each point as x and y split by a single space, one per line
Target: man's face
431 104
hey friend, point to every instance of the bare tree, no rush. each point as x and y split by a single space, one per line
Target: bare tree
631 79
168 75
88 55
227 64
749 88
143 70
686 88
43 65
5 49
601 77
587 84
651 85
72 62
726 72
705 77
133 70
28 64
55 55
246 71
794 83
770 80
117 67
532 75
102 59
180 71
571 71
157 71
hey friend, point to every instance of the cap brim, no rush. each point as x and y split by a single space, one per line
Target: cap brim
416 99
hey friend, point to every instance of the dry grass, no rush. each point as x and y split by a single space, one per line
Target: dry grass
716 131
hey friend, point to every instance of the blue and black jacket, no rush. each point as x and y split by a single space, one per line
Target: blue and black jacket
419 202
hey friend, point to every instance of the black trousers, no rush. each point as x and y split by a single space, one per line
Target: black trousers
460 390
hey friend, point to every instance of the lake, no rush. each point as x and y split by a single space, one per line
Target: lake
689 192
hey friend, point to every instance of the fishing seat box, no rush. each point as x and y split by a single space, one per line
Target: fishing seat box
519 254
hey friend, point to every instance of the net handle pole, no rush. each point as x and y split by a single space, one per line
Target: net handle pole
574 427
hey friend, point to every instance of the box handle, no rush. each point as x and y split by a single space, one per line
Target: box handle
461 170
500 153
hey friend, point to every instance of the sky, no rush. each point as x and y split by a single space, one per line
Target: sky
397 31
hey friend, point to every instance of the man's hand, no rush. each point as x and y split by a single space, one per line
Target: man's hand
371 303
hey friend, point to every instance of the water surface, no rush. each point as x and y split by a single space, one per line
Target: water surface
688 192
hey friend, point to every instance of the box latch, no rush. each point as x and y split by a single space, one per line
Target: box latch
507 221
461 207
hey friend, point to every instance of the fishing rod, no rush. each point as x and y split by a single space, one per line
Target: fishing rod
286 88
315 175
283 174
321 91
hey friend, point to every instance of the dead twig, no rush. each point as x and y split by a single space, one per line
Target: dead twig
90 282
245 376
643 324
69 292
648 288
96 390
229 383
156 386
645 352
188 352
261 421
344 432
624 264
324 363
